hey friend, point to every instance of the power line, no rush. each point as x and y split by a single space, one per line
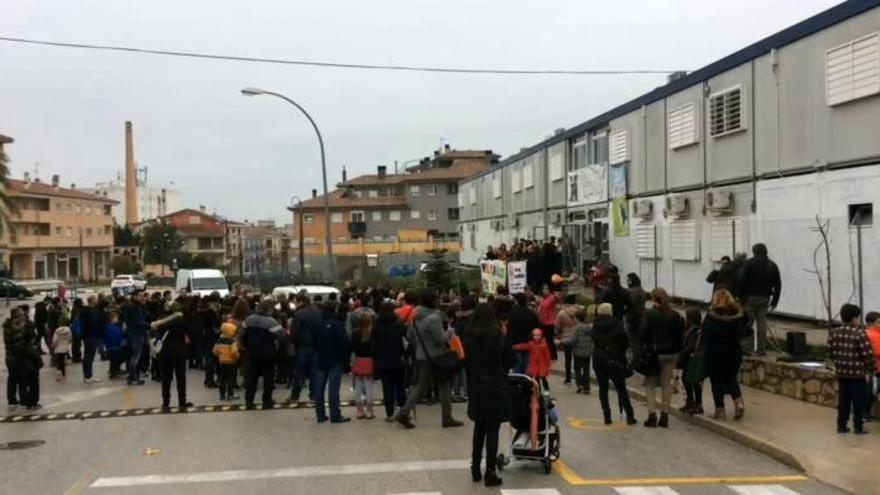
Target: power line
337 65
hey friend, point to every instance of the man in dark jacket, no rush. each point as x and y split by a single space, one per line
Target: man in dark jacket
260 334
616 296
331 353
306 321
92 322
135 318
520 324
759 287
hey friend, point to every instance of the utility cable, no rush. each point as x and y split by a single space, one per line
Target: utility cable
336 65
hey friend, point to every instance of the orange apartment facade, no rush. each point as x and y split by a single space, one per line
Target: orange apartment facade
57 233
386 213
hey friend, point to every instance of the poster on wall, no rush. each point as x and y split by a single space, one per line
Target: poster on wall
492 274
620 216
619 204
516 277
588 185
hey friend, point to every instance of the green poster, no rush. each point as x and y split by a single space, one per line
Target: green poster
620 216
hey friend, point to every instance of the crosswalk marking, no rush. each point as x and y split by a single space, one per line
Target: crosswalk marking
762 490
646 490
531 491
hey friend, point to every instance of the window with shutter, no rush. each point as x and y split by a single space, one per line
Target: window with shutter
726 112
515 185
852 70
619 146
684 241
646 241
682 126
496 185
528 177
727 237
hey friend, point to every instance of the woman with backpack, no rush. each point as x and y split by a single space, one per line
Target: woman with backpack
661 337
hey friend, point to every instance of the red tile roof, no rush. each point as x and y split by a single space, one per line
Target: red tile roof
462 169
337 200
32 188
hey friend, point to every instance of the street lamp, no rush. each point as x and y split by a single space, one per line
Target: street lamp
302 244
331 262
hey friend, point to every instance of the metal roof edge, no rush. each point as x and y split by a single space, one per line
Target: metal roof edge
822 20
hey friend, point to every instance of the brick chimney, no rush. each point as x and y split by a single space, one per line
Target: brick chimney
314 193
344 174
131 206
381 170
55 180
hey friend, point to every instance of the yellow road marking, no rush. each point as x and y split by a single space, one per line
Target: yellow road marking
129 398
590 424
573 478
82 484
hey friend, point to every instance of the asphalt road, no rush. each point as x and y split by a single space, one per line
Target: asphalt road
285 451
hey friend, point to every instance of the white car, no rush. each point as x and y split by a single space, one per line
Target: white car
126 284
312 290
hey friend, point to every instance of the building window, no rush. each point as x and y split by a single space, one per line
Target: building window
58 231
194 219
496 185
515 178
472 194
414 190
394 215
78 210
336 217
527 176
452 187
432 189
861 214
432 215
415 214
852 70
618 146
308 218
107 230
682 126
452 213
69 231
309 240
578 154
726 112
358 217
377 216
373 193
599 148
89 232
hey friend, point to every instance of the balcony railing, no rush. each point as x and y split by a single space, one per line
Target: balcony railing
357 229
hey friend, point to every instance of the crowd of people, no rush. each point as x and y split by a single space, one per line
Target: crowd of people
307 343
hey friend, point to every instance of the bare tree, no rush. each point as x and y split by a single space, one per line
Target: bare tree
822 226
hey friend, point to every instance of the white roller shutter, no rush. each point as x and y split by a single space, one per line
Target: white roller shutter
646 241
682 126
852 70
684 243
618 146
727 237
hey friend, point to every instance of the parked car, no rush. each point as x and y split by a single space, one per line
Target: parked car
126 284
8 288
312 290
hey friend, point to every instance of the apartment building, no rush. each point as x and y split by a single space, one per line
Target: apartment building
768 144
202 234
385 213
57 233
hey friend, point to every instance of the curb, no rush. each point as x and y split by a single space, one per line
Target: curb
755 443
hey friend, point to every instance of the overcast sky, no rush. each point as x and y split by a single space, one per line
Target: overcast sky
246 157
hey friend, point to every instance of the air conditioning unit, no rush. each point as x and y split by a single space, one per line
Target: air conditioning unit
677 206
643 208
719 200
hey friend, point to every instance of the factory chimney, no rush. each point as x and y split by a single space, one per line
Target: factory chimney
131 207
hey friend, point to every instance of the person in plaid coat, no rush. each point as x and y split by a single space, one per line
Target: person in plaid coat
853 360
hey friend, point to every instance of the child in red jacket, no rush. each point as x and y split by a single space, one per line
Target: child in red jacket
539 357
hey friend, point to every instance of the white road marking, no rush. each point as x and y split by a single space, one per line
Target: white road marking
531 491
761 490
295 472
417 493
646 490
82 395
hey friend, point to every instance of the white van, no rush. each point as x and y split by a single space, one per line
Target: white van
312 290
202 281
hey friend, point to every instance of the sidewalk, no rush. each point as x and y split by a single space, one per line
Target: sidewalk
796 433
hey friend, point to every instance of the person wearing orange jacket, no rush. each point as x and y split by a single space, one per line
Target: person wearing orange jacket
872 330
539 357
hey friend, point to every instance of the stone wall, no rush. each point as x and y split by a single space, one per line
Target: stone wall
818 386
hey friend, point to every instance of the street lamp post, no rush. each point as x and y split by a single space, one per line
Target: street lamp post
302 244
331 262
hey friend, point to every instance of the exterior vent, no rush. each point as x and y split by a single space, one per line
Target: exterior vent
643 208
852 70
677 207
727 112
719 201
682 126
618 146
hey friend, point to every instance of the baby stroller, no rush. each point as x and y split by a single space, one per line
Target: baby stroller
527 399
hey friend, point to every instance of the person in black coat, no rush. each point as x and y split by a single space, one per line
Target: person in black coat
389 358
331 355
615 295
759 288
723 328
609 361
661 335
174 333
487 357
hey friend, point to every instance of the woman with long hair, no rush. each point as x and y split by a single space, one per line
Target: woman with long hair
723 327
488 357
661 335
362 369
